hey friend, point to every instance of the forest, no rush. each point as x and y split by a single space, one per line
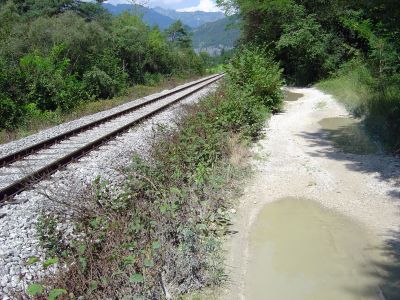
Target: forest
56 55
349 48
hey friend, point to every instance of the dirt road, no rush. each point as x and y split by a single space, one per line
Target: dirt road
309 154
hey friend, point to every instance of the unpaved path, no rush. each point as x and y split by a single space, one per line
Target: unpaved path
296 159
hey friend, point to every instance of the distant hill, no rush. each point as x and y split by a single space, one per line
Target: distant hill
150 16
191 19
215 36
212 32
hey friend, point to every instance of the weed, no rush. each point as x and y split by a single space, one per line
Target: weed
161 236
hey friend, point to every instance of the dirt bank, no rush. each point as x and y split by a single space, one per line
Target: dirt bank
298 159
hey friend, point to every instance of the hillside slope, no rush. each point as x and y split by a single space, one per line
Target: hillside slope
150 16
215 36
191 19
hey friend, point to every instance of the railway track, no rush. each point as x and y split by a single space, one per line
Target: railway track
28 165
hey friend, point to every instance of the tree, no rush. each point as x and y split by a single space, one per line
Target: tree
179 35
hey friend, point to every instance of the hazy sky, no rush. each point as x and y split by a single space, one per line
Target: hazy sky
181 5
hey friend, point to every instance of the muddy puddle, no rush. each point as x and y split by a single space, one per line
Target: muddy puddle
348 135
300 250
290 96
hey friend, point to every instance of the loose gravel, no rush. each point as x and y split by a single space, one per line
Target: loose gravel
18 241
11 147
31 164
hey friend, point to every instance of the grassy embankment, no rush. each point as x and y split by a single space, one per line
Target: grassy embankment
376 101
163 234
37 122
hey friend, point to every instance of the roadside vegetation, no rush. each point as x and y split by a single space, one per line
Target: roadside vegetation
352 46
161 236
57 56
42 120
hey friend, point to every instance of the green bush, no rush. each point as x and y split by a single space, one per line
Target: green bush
152 79
10 113
242 112
254 70
106 79
48 82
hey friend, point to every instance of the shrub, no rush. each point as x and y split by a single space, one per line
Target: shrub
99 84
152 79
242 112
10 113
106 79
48 83
254 70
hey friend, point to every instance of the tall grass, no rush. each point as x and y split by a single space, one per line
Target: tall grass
376 100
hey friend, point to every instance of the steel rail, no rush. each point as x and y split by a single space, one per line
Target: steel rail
25 182
20 153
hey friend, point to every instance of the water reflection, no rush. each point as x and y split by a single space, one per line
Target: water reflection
291 96
299 250
348 135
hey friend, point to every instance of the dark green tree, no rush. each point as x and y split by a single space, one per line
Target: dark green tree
179 35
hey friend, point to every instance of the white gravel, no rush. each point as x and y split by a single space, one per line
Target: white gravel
17 221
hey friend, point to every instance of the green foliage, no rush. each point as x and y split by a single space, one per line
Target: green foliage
308 52
50 262
357 88
32 260
55 55
56 293
10 113
179 35
312 39
48 83
136 278
48 235
254 72
35 289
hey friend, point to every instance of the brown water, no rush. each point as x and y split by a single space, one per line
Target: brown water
290 96
348 135
301 251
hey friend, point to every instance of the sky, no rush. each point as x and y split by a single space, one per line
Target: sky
180 5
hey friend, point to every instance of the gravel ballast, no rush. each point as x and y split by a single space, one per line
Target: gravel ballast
18 240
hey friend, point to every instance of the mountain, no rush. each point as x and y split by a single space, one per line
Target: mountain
191 19
214 36
150 16
212 32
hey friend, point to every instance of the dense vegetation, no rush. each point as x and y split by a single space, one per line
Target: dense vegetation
355 42
160 236
56 55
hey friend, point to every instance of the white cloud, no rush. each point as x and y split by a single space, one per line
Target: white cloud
204 5
116 2
179 5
